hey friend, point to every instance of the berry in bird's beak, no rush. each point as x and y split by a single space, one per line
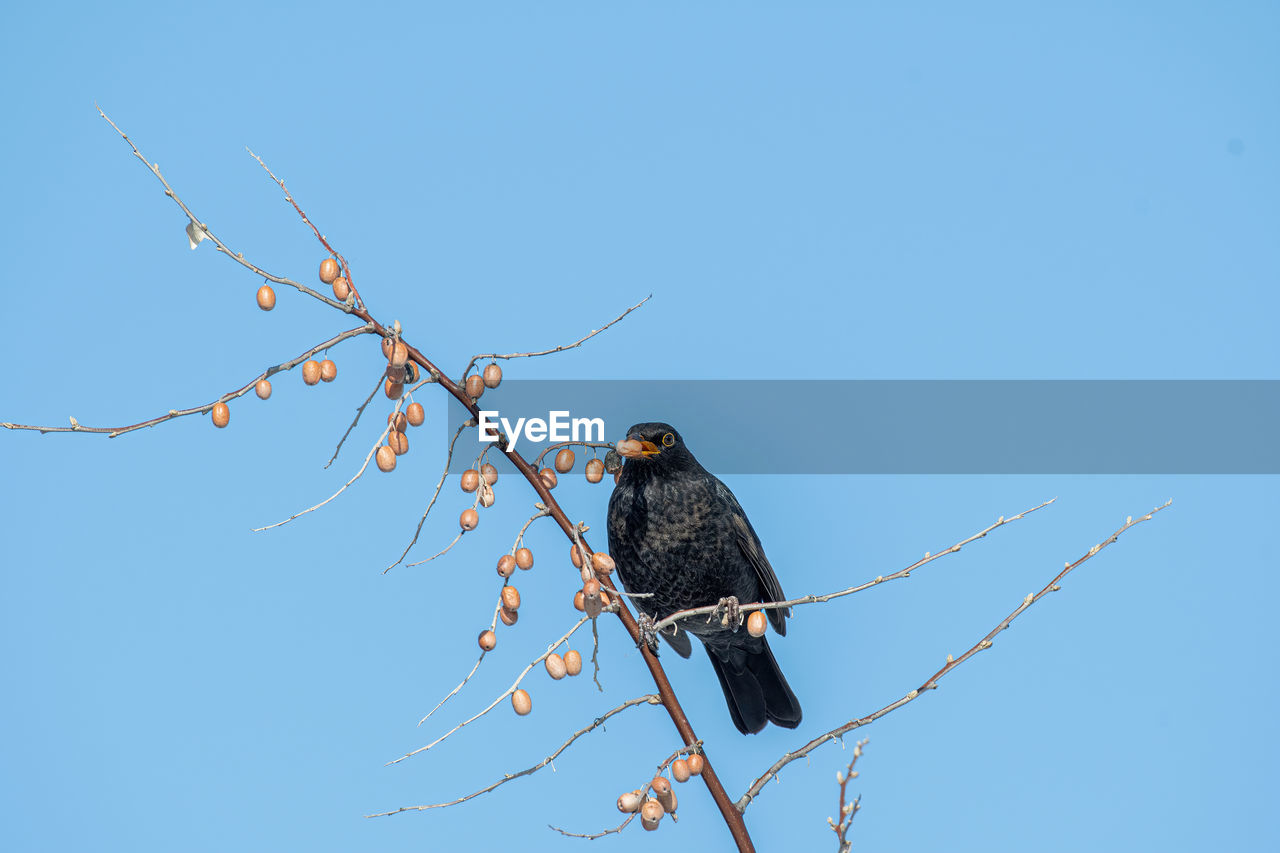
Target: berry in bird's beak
631 448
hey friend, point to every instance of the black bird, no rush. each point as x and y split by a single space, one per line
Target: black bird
677 532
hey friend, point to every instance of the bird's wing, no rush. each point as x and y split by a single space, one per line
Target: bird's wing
749 545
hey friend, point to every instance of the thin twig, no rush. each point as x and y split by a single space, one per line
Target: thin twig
512 689
649 699
238 257
112 432
847 809
444 475
931 683
360 411
579 342
593 836
493 625
817 599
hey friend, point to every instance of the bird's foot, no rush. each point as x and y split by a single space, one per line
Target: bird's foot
648 636
730 613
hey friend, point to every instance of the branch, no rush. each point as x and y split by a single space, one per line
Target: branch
931 683
579 342
713 609
238 257
112 432
444 475
512 689
359 411
648 699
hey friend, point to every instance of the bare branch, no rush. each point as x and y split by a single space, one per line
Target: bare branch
359 411
444 475
512 689
649 699
931 683
238 257
594 835
713 609
112 432
847 809
579 342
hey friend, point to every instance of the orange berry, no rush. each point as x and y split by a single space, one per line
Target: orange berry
680 770
474 386
510 598
387 343
328 370
521 702
509 617
399 354
262 389
397 421
489 473
221 415
602 563
470 480
670 804
555 666
572 662
595 471
579 601
486 497
328 270
630 802
266 297
524 558
506 565
695 764
605 600
311 371
341 288
386 458
492 376
416 414
564 461
393 390
662 790
398 442
469 519
548 477
488 640
576 556
651 815
756 623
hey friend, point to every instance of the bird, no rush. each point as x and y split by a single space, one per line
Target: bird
680 539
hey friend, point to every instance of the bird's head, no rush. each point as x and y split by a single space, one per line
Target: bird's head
655 444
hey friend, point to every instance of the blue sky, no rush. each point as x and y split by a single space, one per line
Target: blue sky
839 191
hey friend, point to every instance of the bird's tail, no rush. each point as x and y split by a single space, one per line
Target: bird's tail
754 687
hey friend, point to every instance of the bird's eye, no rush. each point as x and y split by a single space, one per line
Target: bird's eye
668 440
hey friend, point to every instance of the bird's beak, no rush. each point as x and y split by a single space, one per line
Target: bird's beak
631 448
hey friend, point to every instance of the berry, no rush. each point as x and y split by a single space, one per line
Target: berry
756 623
521 702
398 442
492 376
651 815
393 390
469 519
489 473
341 288
575 555
262 389
548 478
524 558
595 471
221 415
399 354
564 461
386 458
680 770
509 617
488 640
572 662
630 802
510 598
579 601
311 371
602 563
695 764
397 421
266 297
470 480
416 414
555 666
506 566
328 370
474 386
328 270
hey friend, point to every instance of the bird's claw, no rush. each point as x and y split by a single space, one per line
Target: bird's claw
648 636
730 613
